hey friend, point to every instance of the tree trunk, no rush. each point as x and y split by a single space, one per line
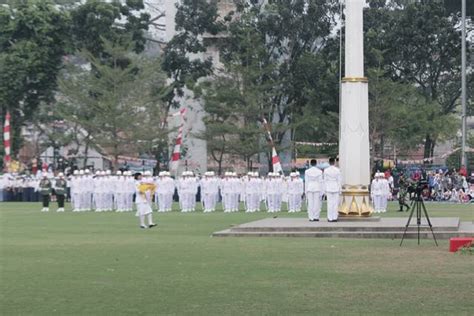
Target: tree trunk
429 146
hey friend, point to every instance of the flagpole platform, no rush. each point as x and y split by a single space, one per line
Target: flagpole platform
391 228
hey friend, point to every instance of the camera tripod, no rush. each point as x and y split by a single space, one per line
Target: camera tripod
418 205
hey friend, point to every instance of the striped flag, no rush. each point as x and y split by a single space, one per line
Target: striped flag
6 140
176 156
275 159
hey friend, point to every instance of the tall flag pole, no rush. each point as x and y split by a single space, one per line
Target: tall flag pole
6 141
176 156
276 164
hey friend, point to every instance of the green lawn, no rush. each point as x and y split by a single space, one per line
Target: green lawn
103 264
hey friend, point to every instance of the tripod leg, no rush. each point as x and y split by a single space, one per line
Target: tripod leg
408 223
418 218
429 223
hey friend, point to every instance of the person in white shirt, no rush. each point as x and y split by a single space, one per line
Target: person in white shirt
75 196
119 192
385 193
252 192
87 190
226 190
209 191
129 191
332 188
377 192
314 189
295 192
235 192
165 190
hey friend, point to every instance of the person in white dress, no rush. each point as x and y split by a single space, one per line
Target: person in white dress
144 190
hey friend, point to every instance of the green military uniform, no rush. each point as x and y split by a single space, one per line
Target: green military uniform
45 189
403 185
60 189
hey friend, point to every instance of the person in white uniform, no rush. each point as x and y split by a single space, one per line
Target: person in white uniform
88 188
75 196
332 187
235 192
129 191
226 190
252 192
295 192
145 188
376 192
313 190
386 193
209 191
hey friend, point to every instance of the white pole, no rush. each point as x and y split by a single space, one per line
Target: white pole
463 85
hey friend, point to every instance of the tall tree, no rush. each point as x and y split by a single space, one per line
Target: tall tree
421 45
121 99
33 38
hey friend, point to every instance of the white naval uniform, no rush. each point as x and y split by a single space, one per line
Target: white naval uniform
75 196
377 192
209 193
165 190
226 190
332 187
119 193
88 188
252 192
129 191
295 193
236 190
385 195
314 188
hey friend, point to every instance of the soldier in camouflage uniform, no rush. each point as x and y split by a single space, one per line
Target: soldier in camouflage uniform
60 189
45 188
403 184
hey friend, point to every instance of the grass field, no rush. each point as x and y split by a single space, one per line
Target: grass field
103 264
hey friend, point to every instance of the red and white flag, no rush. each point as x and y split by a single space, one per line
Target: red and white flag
276 161
176 156
6 140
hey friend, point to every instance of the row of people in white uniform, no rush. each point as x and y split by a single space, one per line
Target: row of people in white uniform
380 192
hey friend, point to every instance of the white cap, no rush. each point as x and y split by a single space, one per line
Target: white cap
103 173
147 173
76 172
108 172
87 171
119 173
97 173
81 172
60 174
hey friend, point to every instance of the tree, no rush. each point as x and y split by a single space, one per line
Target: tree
421 46
293 36
96 20
121 100
33 40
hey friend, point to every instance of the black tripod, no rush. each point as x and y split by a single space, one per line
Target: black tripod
418 205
